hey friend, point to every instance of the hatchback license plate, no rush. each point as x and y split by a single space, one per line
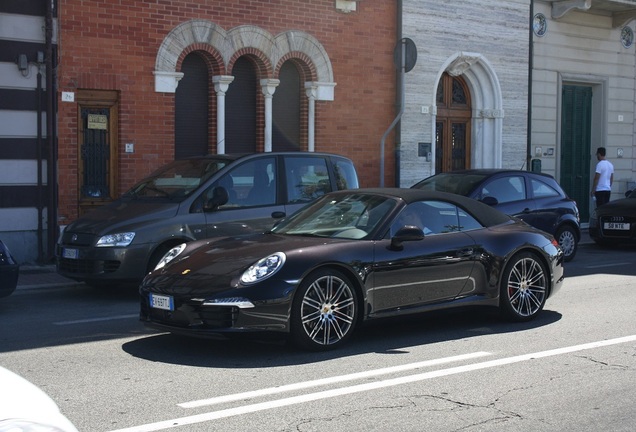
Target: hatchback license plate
161 302
70 253
616 226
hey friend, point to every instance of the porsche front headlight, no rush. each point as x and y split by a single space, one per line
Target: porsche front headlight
263 268
170 255
119 239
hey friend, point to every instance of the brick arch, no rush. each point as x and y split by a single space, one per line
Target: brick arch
302 63
187 34
263 66
306 47
211 38
211 57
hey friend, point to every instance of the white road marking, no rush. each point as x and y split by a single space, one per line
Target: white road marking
90 320
330 380
608 265
246 409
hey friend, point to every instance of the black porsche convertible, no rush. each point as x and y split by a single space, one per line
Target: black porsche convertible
350 257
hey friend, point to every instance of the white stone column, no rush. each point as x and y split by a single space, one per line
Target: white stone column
311 89
221 84
268 86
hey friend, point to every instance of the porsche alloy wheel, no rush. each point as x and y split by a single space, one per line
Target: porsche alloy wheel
524 287
324 311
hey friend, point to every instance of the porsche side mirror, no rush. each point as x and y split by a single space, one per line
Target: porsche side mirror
406 233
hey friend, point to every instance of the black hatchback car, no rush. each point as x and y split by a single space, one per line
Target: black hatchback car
533 197
615 222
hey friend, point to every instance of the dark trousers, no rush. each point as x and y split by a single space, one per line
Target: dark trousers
602 197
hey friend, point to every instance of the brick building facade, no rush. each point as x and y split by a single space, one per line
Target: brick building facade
121 68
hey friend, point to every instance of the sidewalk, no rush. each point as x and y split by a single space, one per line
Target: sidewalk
33 276
45 276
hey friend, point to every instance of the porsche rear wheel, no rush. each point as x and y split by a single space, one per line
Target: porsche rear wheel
524 287
324 311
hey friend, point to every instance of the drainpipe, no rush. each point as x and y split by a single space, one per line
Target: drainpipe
530 67
51 133
39 142
399 95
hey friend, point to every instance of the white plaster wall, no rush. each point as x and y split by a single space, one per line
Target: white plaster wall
495 30
583 48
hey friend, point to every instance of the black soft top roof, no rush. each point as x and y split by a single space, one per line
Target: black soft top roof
485 214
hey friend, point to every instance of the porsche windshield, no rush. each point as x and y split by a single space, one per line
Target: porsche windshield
178 179
352 216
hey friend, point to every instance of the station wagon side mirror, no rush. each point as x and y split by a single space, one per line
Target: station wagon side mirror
406 233
490 200
219 197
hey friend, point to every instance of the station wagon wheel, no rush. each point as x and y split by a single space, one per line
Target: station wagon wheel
324 311
567 241
524 287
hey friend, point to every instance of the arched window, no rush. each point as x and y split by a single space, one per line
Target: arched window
286 110
240 104
192 109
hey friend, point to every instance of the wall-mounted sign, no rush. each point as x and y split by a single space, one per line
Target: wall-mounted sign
68 97
97 121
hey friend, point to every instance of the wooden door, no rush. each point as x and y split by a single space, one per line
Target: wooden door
97 148
452 127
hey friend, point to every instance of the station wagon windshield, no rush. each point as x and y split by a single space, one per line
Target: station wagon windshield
178 179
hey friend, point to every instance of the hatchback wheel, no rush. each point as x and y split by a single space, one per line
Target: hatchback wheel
324 311
567 240
524 287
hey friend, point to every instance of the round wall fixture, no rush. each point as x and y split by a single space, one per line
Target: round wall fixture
540 24
627 36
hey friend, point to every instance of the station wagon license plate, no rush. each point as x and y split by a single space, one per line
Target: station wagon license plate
161 302
70 253
616 226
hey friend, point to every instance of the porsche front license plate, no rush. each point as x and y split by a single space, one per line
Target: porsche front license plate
616 226
161 302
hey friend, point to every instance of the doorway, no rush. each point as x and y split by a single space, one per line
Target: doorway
576 124
452 125
97 138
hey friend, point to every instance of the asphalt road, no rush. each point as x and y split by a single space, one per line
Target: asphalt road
572 369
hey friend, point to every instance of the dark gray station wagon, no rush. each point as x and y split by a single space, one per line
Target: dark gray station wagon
122 241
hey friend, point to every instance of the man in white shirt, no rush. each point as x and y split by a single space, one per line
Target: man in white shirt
603 179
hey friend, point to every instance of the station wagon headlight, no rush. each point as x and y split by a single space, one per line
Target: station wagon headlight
170 255
263 268
119 239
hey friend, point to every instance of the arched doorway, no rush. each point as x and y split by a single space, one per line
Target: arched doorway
452 125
